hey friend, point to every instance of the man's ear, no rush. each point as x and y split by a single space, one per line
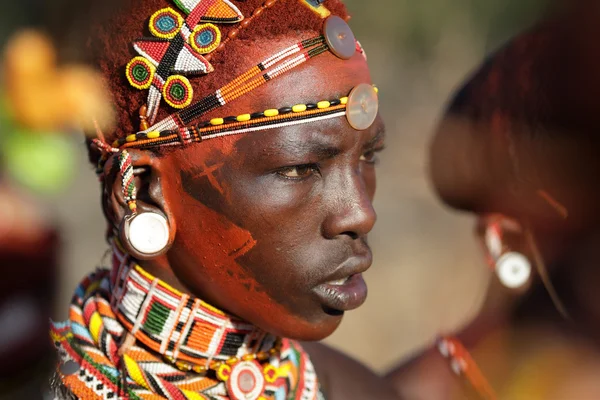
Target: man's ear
147 172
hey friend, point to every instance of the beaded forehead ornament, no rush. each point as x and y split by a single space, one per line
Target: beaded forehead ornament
183 45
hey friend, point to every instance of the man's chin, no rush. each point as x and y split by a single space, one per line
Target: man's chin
303 330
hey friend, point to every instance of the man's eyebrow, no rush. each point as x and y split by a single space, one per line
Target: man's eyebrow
317 148
379 136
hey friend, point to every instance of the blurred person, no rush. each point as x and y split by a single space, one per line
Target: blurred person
237 189
28 262
519 147
34 162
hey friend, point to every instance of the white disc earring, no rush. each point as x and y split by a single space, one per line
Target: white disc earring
147 232
513 269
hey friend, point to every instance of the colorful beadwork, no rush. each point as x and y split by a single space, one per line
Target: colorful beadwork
166 23
272 67
178 91
263 120
205 38
317 7
243 123
140 73
128 185
109 306
245 23
246 381
172 51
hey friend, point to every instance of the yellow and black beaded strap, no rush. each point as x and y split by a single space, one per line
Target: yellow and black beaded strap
264 120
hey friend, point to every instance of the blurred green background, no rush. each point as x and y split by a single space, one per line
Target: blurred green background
428 275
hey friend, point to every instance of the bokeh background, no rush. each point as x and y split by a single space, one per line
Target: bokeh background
428 276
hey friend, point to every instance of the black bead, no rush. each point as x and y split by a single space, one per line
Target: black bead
285 110
311 106
335 102
230 119
257 115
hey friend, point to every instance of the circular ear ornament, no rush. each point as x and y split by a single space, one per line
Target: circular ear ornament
339 37
165 23
362 106
140 73
205 38
513 270
178 91
147 233
246 381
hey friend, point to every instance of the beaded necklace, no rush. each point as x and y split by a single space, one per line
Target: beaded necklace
130 335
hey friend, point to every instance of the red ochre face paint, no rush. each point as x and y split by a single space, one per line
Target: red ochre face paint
266 219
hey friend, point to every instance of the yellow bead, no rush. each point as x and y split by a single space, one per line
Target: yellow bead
153 135
323 104
299 108
130 138
376 89
344 100
199 369
233 361
217 121
243 117
271 112
132 206
115 143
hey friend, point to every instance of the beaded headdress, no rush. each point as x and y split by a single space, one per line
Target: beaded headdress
191 41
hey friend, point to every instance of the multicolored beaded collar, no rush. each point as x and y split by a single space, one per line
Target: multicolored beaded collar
121 323
185 330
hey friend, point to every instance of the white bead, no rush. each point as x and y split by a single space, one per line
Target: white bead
513 270
148 233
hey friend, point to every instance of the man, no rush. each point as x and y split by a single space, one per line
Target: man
238 192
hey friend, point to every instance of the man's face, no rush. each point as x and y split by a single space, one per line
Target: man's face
272 225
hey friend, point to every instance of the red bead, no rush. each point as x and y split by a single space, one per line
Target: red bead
246 22
221 46
258 11
232 34
269 3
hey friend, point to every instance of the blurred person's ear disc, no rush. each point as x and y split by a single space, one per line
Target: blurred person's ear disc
362 106
339 37
513 270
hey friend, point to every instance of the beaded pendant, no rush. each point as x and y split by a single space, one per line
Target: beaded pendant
180 39
205 38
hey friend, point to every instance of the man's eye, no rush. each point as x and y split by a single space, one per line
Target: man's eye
298 171
369 157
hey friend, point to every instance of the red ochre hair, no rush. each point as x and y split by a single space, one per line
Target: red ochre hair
111 46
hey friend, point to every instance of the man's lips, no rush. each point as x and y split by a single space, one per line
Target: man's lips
346 289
